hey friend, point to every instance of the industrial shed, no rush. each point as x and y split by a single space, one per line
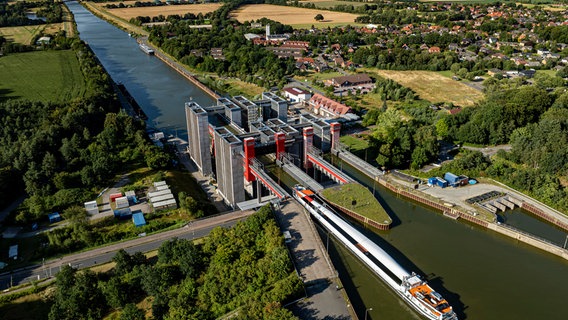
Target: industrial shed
123 214
122 202
162 197
92 207
54 217
138 219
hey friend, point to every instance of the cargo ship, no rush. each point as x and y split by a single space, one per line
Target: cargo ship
146 49
409 286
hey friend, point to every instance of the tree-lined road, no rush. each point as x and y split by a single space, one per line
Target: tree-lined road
193 230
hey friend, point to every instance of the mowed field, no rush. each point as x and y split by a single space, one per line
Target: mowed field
296 17
41 75
25 34
433 87
128 13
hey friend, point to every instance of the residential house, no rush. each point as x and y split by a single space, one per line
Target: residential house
353 80
434 50
296 94
327 107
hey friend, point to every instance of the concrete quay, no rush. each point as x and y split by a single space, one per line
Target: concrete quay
324 300
451 202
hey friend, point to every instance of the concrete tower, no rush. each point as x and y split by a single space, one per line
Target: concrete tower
335 130
198 133
229 165
308 143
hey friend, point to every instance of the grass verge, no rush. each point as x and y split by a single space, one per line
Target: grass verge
357 198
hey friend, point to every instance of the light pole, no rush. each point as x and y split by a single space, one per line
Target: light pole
366 311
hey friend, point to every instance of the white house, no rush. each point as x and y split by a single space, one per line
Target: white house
296 95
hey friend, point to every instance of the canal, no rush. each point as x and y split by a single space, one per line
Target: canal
160 91
482 274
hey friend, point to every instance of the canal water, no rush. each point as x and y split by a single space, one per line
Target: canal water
160 91
483 275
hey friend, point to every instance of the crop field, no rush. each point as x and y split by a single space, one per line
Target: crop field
432 86
332 3
128 13
296 17
41 75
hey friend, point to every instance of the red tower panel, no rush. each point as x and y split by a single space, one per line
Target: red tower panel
308 143
280 138
335 131
249 155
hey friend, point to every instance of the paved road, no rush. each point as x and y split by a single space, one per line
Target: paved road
193 230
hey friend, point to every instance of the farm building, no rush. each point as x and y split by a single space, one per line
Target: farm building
54 217
138 219
92 207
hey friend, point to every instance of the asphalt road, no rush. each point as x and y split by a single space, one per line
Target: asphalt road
193 230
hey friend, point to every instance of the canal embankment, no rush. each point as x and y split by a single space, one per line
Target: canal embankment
158 53
132 29
447 206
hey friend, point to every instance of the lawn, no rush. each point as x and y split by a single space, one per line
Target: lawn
296 17
41 75
432 86
354 144
357 198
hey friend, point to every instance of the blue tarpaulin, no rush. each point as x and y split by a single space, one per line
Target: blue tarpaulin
138 219
54 217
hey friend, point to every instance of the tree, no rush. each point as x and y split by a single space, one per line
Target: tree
318 17
132 312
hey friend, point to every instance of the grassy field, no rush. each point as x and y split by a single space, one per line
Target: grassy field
296 17
238 87
354 144
30 307
23 34
128 13
358 199
432 86
41 75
